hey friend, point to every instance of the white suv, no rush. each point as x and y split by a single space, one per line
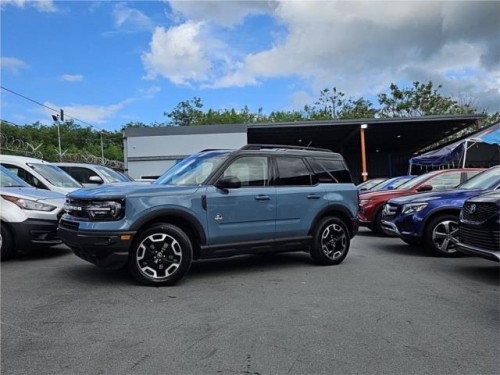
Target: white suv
29 216
40 174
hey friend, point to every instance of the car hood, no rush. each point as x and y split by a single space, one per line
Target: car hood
31 193
129 189
384 194
441 195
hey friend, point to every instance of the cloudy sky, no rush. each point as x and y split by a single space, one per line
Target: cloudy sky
109 63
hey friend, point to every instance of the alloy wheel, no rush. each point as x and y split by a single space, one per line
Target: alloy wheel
159 256
333 241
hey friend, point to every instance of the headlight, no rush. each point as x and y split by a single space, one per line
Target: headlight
27 204
412 208
104 210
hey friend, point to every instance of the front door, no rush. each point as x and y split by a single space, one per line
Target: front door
247 213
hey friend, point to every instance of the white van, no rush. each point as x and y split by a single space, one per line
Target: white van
40 174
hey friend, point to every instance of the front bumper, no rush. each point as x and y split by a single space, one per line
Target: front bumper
35 233
478 252
104 249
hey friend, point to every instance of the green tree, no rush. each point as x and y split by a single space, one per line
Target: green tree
420 100
186 113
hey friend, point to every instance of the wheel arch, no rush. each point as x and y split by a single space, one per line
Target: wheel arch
433 214
6 225
183 220
338 211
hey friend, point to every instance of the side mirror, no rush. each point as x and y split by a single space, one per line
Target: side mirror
424 188
95 180
229 182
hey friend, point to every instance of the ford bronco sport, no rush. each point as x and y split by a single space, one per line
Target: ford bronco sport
217 203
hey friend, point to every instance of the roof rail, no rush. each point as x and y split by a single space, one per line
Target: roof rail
282 147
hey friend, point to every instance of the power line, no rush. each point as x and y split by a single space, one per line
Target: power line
52 109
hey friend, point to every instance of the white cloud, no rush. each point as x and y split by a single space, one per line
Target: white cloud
130 19
13 64
72 77
42 5
150 92
93 114
224 13
177 54
358 46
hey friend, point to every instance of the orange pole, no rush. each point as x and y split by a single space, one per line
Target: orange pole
363 155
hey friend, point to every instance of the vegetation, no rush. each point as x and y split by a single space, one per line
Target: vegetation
421 99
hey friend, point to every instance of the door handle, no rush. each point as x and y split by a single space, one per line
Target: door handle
313 196
262 197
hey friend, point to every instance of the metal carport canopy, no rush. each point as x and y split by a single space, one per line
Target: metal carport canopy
391 135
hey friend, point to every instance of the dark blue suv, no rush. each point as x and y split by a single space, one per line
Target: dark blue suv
220 203
431 219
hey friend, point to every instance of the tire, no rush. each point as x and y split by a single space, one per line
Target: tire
441 234
331 241
8 249
161 255
377 225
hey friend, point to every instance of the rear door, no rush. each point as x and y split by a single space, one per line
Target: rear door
299 197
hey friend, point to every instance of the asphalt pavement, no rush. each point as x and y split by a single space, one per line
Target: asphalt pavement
387 309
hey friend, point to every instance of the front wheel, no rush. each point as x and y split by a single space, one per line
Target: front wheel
331 241
441 235
161 255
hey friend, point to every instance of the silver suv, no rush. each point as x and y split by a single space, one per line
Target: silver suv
29 216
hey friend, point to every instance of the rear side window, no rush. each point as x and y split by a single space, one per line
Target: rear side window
82 175
330 171
293 172
445 181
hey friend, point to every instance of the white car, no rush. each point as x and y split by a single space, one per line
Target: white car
40 174
29 216
93 174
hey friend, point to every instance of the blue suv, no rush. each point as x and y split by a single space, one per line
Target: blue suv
217 203
431 219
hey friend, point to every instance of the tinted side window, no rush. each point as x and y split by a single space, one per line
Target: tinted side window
293 171
82 175
251 171
445 181
330 171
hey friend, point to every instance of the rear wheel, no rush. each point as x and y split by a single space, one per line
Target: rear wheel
161 255
441 235
331 241
377 224
8 249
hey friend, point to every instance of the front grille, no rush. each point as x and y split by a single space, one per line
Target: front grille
486 239
478 212
76 208
69 224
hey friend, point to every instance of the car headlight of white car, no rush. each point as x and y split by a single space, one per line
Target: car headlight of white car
27 204
411 208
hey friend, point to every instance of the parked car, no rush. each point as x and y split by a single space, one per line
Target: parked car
431 219
479 226
29 216
40 174
219 203
390 184
372 203
93 174
369 184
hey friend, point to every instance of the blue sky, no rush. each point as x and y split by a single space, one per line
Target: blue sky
113 62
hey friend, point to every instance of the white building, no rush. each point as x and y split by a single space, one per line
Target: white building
148 152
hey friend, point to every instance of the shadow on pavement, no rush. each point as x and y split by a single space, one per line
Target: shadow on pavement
488 273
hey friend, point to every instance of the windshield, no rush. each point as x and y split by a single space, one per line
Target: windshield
484 180
9 179
414 181
193 170
55 175
111 175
